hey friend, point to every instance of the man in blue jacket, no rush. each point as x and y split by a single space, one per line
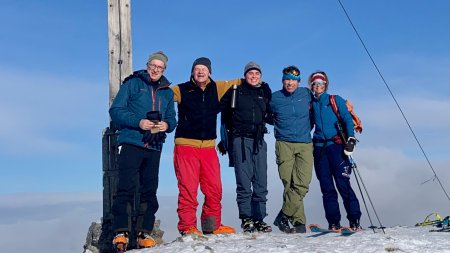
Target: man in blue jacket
144 111
331 163
293 148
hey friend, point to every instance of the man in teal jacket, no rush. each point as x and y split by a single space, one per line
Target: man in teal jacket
293 148
144 111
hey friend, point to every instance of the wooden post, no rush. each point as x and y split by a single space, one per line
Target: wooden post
119 40
120 66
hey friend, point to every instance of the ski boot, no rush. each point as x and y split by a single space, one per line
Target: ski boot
261 226
120 241
223 229
334 226
354 226
248 225
299 228
191 231
145 240
282 222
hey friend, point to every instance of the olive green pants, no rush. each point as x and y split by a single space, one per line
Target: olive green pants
295 164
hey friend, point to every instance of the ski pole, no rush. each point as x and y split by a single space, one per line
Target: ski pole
365 189
353 165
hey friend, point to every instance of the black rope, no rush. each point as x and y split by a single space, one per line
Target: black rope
395 100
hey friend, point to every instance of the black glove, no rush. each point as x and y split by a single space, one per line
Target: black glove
350 146
221 148
151 139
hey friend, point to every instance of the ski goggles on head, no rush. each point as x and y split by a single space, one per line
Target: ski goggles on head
291 70
291 74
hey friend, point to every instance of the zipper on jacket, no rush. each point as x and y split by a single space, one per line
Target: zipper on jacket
321 121
154 92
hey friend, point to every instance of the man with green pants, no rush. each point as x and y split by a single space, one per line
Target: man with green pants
293 148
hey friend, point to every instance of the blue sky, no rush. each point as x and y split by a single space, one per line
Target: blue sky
54 88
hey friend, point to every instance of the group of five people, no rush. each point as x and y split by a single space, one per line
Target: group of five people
144 111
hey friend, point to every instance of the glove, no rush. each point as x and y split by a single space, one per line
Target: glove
155 138
350 146
221 148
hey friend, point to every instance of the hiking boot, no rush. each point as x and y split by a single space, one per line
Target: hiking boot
120 241
248 225
334 226
145 240
190 231
354 225
299 228
261 226
224 230
282 222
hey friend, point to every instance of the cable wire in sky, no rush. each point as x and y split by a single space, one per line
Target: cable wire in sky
395 100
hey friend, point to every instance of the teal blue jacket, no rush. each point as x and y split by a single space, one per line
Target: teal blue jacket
291 115
137 96
325 119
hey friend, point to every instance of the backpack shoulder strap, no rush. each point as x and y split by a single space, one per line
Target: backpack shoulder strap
334 106
356 120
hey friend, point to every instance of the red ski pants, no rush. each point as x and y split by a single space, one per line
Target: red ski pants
194 166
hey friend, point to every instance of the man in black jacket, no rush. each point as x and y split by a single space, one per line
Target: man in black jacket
244 110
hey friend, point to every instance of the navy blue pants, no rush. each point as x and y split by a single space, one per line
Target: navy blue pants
329 164
137 167
251 178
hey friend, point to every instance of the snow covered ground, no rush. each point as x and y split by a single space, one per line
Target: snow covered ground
396 239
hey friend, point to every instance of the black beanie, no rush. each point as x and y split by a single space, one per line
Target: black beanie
202 61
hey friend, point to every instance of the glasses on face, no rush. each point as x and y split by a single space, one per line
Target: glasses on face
319 83
155 67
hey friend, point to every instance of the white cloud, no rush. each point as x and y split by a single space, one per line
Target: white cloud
48 222
36 199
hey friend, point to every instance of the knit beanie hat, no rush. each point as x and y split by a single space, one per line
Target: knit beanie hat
318 76
158 56
251 66
202 61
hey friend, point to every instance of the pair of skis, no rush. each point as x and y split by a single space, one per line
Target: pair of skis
344 231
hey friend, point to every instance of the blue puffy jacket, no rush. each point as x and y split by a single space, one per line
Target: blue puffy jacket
135 98
325 119
291 116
